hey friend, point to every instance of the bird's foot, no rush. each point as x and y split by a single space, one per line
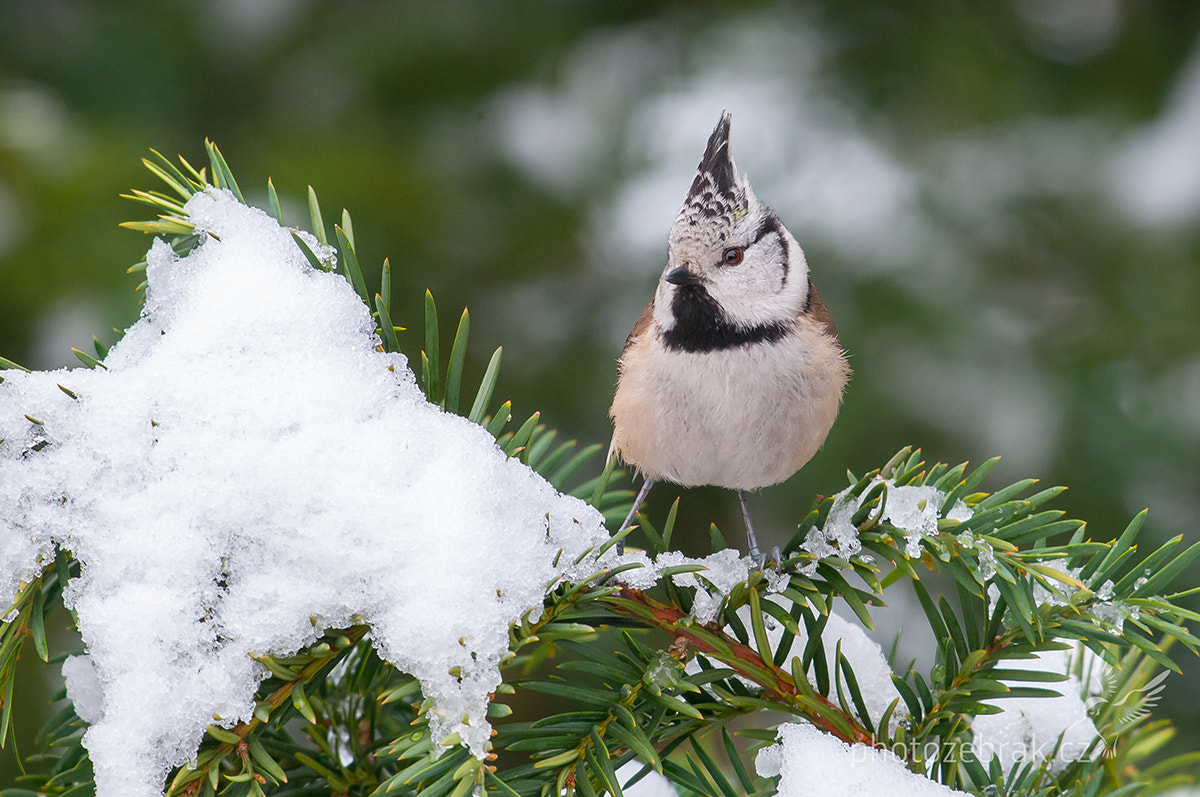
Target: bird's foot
761 560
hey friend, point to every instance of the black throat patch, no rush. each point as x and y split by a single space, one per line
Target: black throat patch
701 325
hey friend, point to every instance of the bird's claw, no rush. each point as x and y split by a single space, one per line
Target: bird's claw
761 559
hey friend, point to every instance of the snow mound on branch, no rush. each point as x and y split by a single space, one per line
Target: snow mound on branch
248 470
811 763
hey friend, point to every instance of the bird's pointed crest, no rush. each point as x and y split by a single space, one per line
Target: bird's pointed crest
716 170
717 196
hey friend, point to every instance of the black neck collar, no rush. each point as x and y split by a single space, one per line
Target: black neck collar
701 325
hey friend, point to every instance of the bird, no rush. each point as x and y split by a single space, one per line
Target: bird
733 374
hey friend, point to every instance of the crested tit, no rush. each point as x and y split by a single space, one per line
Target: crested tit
733 374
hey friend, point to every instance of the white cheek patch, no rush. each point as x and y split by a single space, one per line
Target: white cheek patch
770 285
662 305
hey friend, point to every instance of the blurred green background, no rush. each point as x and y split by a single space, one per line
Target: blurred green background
1000 203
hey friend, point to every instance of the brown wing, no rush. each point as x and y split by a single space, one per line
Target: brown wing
643 323
817 311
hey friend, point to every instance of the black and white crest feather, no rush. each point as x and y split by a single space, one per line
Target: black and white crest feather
714 191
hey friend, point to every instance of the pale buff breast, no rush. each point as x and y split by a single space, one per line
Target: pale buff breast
740 418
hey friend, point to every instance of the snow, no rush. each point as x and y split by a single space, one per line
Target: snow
84 687
867 661
1030 727
652 785
1054 592
968 541
722 571
838 537
1105 611
910 508
915 510
811 763
247 471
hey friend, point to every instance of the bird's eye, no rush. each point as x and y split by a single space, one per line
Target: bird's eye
733 256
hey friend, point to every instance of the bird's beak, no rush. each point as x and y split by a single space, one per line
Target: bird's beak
681 276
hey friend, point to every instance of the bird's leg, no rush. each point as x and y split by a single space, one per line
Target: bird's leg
637 502
750 538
